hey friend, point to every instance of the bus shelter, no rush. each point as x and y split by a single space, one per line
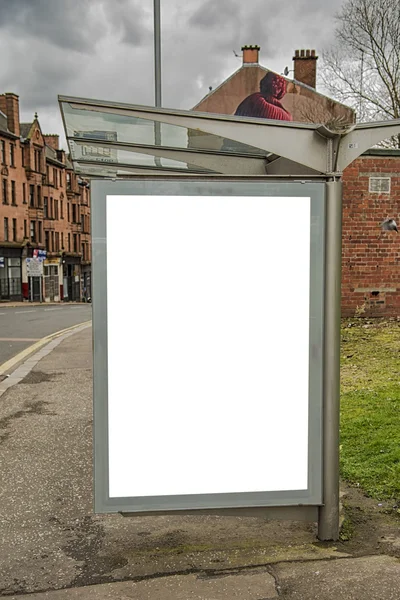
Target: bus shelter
216 308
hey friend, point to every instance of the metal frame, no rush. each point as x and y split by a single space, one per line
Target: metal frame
301 502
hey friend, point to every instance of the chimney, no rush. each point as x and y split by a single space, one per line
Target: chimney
9 105
250 54
305 67
52 140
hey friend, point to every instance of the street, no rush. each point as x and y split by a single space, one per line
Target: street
22 326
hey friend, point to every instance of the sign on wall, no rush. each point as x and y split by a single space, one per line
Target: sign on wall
206 391
34 267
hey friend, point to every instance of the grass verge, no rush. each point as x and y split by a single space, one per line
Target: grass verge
370 406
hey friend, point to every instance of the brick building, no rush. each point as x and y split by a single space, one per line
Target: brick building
371 184
370 265
44 209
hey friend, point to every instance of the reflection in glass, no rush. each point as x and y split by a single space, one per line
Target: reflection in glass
98 124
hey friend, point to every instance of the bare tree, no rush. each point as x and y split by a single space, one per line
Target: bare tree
362 68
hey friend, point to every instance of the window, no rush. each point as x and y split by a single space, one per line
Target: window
69 242
55 178
14 229
23 156
379 185
47 176
61 178
13 194
56 209
5 229
40 231
39 196
25 229
74 213
83 251
3 152
47 240
12 148
38 161
83 223
5 192
52 240
62 209
33 231
57 242
24 193
62 240
31 195
75 238
68 181
68 215
45 207
51 211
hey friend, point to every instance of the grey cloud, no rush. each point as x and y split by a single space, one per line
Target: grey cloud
56 21
128 17
213 14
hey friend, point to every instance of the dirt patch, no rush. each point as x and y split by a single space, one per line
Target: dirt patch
31 408
38 377
370 526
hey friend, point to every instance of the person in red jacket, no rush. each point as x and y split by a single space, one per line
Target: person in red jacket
265 103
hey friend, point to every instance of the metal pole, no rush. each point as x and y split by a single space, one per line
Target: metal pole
328 520
31 278
157 51
157 73
41 284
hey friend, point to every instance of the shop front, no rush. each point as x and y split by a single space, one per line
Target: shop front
71 279
10 274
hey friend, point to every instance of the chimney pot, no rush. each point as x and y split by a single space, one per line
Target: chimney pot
305 67
250 54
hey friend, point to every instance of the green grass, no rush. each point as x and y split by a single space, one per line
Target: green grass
370 407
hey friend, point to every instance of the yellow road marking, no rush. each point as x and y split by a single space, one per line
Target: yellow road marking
9 364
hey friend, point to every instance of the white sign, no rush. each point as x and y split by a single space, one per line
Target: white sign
34 267
208 385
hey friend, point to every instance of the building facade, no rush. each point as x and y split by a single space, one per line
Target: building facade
44 213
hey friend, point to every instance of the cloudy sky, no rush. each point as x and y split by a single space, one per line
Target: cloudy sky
104 48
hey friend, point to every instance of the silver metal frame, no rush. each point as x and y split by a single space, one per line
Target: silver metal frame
302 499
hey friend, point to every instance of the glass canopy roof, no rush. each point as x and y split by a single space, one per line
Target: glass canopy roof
107 141
110 139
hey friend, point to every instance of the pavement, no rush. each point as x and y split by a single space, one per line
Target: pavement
52 545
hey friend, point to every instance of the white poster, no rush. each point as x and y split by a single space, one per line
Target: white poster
208 350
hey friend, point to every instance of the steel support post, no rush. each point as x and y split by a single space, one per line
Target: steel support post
328 519
157 72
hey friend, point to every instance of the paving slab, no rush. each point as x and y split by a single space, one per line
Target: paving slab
366 578
252 585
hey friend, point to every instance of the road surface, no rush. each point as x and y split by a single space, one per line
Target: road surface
22 326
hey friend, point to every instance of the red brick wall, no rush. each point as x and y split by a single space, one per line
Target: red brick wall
370 257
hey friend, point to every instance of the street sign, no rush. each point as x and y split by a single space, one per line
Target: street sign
37 253
34 267
208 388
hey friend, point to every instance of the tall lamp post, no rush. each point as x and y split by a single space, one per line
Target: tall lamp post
157 72
157 52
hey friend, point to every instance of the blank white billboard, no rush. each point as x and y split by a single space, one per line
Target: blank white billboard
208 344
